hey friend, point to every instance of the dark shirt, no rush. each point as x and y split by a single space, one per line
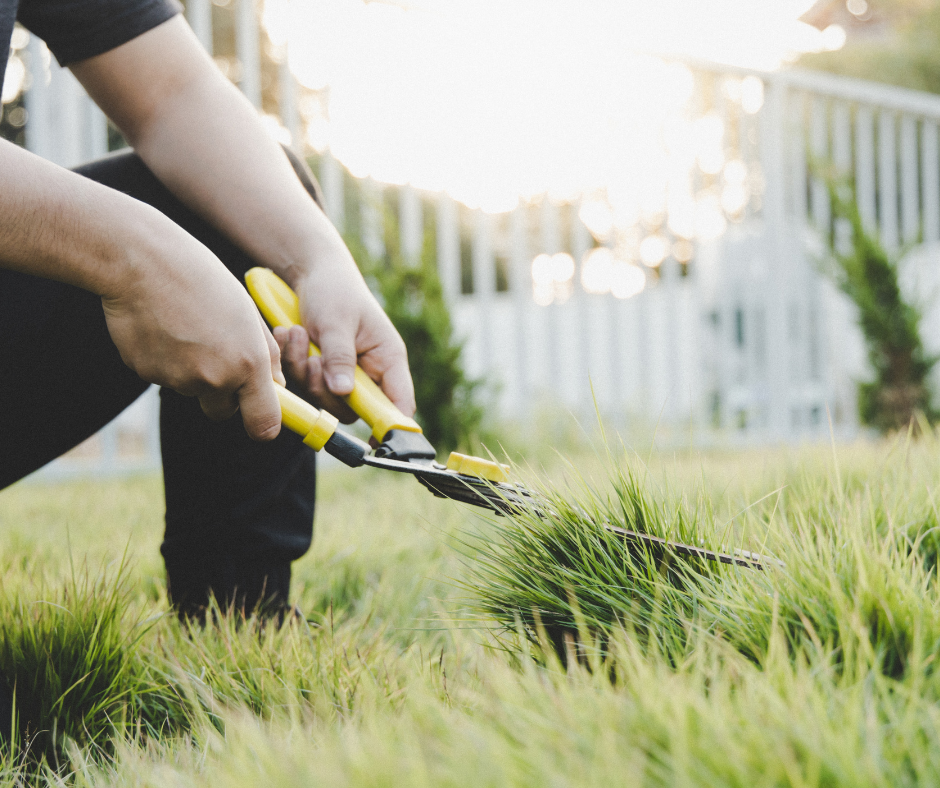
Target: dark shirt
78 29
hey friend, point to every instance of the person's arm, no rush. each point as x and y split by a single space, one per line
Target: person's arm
175 313
205 142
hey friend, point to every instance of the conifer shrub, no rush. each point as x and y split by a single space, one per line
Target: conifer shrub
868 275
447 398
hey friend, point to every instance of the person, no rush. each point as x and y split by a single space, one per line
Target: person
128 271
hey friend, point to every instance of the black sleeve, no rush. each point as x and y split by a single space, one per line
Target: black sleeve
79 29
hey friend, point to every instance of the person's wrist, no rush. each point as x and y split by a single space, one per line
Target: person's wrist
138 252
320 252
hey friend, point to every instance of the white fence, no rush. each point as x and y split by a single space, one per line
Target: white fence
747 340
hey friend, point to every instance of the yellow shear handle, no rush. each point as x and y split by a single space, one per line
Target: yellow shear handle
315 426
281 307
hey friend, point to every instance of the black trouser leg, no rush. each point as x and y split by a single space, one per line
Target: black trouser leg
237 512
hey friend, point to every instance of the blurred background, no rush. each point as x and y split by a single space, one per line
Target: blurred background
607 208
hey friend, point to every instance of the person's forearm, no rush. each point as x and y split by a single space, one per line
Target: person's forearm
176 315
57 225
206 143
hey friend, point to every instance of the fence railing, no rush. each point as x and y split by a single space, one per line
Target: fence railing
741 338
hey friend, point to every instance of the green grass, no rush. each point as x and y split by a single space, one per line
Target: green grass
439 647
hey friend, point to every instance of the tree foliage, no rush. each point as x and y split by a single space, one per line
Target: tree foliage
907 57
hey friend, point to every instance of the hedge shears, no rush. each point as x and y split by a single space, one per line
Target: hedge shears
403 448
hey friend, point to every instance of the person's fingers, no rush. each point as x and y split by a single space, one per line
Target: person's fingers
390 367
399 388
261 410
316 385
294 348
275 352
280 334
219 405
338 346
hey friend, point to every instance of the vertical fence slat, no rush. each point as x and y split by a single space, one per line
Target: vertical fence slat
199 16
484 285
773 120
819 145
930 175
580 243
521 289
910 209
331 178
842 159
448 247
287 104
795 137
411 224
248 50
371 217
38 101
865 167
888 179
842 138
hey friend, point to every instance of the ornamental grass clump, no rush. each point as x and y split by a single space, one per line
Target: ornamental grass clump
560 573
73 665
844 588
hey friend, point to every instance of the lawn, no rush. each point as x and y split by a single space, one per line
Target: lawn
432 654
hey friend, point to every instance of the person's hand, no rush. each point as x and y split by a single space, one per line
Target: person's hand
345 321
182 320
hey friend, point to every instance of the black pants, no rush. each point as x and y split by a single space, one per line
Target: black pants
237 512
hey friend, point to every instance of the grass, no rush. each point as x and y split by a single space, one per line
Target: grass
440 644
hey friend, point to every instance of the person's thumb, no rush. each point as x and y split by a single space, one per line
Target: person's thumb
260 408
339 361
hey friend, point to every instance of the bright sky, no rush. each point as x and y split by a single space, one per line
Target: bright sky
493 99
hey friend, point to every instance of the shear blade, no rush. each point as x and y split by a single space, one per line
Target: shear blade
500 498
509 499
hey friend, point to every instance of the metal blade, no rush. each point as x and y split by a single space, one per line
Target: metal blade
511 499
499 498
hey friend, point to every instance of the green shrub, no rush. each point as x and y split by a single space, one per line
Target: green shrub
868 275
412 297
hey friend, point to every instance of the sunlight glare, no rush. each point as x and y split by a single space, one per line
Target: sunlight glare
597 270
14 81
627 280
752 94
653 250
497 101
